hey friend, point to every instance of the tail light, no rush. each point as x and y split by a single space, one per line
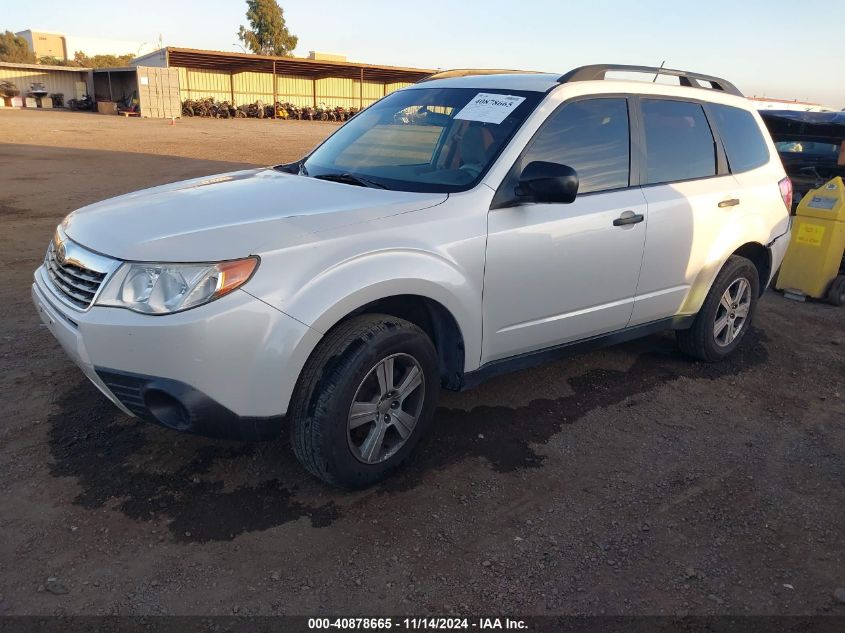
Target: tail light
785 186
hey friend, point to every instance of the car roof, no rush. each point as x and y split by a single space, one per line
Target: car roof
526 81
691 85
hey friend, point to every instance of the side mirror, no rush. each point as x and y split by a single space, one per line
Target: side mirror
541 181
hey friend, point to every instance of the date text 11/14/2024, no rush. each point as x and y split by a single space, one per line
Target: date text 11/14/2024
417 624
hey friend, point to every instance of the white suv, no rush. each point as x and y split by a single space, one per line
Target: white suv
465 226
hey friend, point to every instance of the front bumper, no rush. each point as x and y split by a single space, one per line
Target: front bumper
227 368
179 406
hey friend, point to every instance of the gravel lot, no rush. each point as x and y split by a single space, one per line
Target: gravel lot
627 481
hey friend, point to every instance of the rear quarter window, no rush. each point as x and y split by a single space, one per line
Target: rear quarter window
744 143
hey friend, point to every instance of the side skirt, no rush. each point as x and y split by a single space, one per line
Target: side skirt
550 354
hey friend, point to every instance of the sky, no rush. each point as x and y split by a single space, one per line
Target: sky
775 49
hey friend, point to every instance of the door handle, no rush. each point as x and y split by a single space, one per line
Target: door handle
629 217
730 202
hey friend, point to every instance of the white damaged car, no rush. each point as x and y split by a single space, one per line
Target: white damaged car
462 227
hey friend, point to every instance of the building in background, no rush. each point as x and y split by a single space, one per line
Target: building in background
326 57
108 46
160 81
71 82
242 78
63 47
45 44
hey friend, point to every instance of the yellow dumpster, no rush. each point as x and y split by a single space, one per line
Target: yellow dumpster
812 263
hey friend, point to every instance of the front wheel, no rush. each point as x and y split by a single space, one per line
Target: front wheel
365 397
725 317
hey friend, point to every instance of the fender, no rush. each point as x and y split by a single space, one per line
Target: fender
390 272
365 278
746 229
321 297
328 274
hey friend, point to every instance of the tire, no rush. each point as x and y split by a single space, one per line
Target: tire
836 292
706 340
345 368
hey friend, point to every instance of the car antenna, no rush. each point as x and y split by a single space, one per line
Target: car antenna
657 73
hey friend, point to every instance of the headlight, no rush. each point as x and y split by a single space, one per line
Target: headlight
165 288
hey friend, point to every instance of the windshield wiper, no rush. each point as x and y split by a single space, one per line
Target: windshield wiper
351 179
290 168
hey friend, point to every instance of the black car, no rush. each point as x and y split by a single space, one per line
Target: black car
811 146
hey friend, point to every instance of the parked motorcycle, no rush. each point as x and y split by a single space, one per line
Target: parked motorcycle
86 103
321 112
294 112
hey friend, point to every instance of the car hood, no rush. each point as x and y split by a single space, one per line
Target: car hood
231 215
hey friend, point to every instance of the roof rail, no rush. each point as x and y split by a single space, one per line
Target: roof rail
466 72
598 71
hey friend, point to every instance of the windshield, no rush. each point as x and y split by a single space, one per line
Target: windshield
427 139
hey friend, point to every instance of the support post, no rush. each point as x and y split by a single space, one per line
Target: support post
274 88
232 88
313 93
361 91
108 73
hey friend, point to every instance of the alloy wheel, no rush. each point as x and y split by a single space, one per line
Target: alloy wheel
732 312
386 408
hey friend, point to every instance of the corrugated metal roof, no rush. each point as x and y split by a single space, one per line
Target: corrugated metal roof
314 69
116 69
70 69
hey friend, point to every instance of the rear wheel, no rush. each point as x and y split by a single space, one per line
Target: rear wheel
365 397
725 317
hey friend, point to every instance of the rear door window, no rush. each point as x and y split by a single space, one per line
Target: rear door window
679 143
744 144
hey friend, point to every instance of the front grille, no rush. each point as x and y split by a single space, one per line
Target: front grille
78 285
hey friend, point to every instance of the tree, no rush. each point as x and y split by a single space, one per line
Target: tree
268 34
49 60
15 49
101 61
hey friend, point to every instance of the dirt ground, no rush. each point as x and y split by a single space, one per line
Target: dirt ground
627 481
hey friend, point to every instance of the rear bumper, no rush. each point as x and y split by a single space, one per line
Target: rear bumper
226 369
777 248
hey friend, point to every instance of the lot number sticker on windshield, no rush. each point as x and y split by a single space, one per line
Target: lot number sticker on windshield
489 108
